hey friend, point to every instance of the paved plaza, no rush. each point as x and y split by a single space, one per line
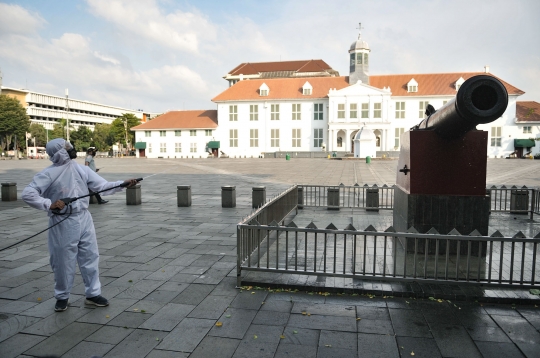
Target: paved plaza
170 273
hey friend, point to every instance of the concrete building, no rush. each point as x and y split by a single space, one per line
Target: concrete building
178 134
47 110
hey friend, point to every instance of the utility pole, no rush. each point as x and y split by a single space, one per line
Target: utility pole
126 134
67 115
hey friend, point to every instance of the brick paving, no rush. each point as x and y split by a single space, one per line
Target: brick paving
169 273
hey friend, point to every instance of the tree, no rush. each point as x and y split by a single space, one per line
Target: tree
39 133
102 137
121 129
81 138
13 122
60 130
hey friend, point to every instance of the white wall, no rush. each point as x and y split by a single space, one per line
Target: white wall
170 139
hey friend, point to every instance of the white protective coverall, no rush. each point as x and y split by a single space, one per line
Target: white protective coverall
75 238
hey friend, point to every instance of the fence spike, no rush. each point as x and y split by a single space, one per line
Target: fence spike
497 234
341 184
333 227
356 184
273 223
503 186
311 225
390 229
524 187
385 186
475 233
254 222
493 187
433 231
375 186
519 235
412 230
454 232
350 228
537 236
366 185
291 224
513 187
370 228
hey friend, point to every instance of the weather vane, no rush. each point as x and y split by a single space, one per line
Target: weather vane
359 29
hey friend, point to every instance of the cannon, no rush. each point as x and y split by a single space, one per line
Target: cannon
441 178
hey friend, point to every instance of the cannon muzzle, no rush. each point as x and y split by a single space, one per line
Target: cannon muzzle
480 99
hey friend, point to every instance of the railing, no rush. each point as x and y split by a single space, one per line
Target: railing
494 260
503 199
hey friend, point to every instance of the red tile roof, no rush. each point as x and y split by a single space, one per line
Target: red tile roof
182 119
281 88
527 111
253 68
433 84
430 84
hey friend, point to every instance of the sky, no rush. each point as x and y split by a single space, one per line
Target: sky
161 55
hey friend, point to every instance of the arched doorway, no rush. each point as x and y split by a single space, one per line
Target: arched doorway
352 140
340 137
378 135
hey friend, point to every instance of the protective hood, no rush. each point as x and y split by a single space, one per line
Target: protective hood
57 151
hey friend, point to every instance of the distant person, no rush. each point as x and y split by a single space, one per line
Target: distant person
72 238
89 162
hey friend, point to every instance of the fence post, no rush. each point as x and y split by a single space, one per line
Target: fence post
519 201
183 195
258 196
372 198
533 202
332 198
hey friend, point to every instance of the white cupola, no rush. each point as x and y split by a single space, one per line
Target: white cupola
359 60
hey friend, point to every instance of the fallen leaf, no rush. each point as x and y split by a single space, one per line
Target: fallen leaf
135 309
252 293
228 316
295 332
262 303
358 318
255 337
107 316
282 337
219 324
162 270
304 313
328 345
309 314
412 353
130 281
157 339
39 298
143 311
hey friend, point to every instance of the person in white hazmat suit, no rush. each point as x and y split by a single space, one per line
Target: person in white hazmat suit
73 240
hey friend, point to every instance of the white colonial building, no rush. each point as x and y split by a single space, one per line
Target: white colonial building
178 134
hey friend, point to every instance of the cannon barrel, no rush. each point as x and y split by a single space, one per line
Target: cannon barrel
480 99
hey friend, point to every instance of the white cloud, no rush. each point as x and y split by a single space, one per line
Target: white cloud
144 19
106 58
15 19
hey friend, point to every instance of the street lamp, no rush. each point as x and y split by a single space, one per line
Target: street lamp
67 115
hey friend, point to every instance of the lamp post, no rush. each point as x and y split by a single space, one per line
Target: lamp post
67 115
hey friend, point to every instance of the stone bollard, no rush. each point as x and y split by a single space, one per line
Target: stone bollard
183 195
372 199
333 199
133 195
9 191
300 197
228 196
258 196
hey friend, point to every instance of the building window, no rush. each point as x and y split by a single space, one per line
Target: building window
264 92
317 137
147 133
422 109
358 58
496 136
365 59
353 110
163 147
233 113
162 133
296 112
365 110
318 112
400 109
274 112
253 137
341 110
413 88
306 92
208 132
177 133
253 112
296 140
193 148
399 132
274 138
149 147
339 142
233 138
178 147
193 132
377 110
527 129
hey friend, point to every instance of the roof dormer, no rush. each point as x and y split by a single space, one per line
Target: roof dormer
264 90
459 83
412 86
307 89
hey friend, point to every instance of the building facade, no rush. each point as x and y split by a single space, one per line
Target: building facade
48 110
